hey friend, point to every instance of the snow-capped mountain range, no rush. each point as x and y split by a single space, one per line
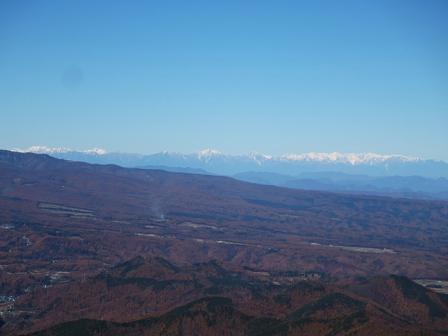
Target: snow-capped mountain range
59 150
215 162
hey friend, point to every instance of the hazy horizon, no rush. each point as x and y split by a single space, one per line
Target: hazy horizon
101 151
275 78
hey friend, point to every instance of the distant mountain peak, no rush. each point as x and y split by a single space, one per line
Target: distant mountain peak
208 153
43 150
59 150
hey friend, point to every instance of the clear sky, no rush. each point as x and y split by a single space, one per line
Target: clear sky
268 76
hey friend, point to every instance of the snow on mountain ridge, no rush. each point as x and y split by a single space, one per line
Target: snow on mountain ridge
96 151
59 150
206 155
352 158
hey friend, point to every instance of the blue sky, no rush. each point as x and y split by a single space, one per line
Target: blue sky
268 76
